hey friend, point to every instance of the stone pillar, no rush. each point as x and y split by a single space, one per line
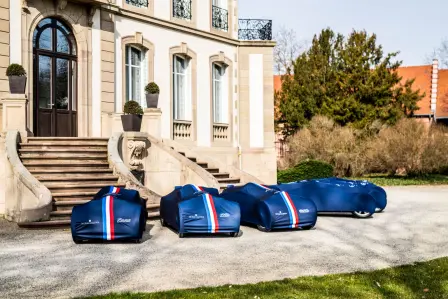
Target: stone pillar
151 123
14 113
135 150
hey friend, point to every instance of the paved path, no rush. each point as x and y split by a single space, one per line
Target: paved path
47 264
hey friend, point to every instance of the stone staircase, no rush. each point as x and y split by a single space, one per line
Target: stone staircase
73 169
223 178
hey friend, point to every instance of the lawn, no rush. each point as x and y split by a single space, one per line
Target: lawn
420 280
382 180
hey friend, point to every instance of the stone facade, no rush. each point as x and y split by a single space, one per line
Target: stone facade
103 29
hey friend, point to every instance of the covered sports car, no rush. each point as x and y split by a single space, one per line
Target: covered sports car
272 209
378 193
331 196
192 209
126 194
113 216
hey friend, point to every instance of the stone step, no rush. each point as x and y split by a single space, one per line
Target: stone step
212 170
62 146
79 186
68 170
221 175
73 195
192 159
64 150
62 163
67 140
67 205
75 177
62 156
229 181
202 164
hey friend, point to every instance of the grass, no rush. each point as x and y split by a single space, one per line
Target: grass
420 280
383 180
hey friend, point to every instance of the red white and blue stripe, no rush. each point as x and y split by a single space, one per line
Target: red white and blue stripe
198 189
292 211
262 186
212 216
108 215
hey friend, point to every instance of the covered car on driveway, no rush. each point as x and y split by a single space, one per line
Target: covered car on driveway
113 216
271 209
199 210
333 197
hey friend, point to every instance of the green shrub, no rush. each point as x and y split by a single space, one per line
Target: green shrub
309 169
132 107
15 70
152 88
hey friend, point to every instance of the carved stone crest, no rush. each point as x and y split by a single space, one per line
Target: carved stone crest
136 154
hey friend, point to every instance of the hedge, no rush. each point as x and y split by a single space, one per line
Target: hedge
310 169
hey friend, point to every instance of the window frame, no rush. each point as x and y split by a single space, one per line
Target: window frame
187 91
219 116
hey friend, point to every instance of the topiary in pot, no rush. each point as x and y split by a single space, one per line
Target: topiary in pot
17 78
132 118
152 95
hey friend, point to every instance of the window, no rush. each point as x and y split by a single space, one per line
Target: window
135 74
138 3
181 88
219 94
182 9
220 15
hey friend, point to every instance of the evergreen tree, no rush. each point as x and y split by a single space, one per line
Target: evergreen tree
347 79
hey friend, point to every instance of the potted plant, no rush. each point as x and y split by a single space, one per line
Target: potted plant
132 118
17 78
152 95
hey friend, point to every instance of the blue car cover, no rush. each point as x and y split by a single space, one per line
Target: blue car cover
330 196
193 209
272 209
378 193
111 217
126 194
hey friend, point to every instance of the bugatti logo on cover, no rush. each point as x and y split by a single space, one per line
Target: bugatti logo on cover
90 222
121 220
224 215
280 213
304 211
196 216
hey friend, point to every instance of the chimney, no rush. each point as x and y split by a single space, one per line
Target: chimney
434 82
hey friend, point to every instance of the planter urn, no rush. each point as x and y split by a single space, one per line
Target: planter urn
17 84
131 122
152 100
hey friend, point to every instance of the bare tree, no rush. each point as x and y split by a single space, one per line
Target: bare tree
287 50
440 53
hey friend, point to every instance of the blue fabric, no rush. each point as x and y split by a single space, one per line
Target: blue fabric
331 195
188 210
90 220
271 208
378 193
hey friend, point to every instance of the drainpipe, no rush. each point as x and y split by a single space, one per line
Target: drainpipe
434 87
240 163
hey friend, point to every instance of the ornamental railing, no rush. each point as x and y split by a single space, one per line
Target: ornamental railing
138 3
220 18
251 29
182 9
182 130
221 132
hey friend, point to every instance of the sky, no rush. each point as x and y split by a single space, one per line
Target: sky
413 27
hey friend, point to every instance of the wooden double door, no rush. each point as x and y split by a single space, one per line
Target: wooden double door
55 76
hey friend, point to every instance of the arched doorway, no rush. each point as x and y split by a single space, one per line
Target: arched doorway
55 68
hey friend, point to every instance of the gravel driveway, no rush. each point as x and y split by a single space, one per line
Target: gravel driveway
47 264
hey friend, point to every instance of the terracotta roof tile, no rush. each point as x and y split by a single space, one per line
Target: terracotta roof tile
442 94
422 75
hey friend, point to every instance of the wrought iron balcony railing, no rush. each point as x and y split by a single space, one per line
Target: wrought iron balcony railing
255 29
220 18
138 3
182 9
